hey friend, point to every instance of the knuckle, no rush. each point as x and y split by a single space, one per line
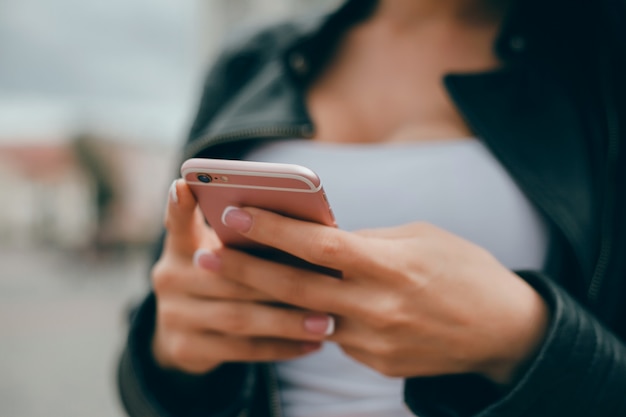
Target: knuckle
234 291
325 246
383 349
168 316
388 316
296 290
232 319
246 294
180 351
163 277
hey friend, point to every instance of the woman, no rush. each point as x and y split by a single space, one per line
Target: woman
499 122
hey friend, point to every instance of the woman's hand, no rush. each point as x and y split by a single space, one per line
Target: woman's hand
414 300
203 320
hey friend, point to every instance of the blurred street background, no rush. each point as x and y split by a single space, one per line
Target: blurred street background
95 101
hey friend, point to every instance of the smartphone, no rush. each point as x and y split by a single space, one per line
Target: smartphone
287 189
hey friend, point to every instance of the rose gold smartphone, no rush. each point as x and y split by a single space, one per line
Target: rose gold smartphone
290 190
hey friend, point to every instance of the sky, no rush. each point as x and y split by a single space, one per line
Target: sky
131 66
62 47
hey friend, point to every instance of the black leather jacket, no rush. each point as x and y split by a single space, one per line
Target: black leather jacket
555 117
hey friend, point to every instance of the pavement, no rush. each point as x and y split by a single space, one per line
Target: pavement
62 326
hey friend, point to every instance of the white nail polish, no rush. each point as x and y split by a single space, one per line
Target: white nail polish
225 212
197 254
331 326
173 192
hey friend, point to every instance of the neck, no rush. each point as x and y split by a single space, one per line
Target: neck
405 13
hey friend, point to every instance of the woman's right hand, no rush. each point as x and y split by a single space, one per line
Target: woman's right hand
204 320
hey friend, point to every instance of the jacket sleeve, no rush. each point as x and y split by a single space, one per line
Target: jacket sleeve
579 371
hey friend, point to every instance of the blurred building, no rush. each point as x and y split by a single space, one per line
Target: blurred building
99 193
45 196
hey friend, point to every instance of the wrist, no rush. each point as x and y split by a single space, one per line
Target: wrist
521 342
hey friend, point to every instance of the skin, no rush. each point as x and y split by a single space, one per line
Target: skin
204 320
414 300
385 82
436 304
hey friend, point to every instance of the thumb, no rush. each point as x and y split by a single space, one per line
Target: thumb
184 223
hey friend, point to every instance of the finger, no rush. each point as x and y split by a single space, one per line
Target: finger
410 230
317 244
195 282
209 287
246 319
234 348
396 232
195 352
294 286
201 282
190 278
186 229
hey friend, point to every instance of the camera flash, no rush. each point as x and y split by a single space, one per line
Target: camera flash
224 178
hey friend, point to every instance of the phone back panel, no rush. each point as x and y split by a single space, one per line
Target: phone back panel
290 190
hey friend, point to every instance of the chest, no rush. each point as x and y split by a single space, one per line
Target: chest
386 89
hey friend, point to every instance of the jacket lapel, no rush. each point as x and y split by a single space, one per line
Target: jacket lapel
527 124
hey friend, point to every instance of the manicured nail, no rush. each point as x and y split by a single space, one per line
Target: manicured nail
206 259
311 346
320 325
237 219
173 192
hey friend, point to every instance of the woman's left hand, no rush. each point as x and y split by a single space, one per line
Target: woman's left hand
414 300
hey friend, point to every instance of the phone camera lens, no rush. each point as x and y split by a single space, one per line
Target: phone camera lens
204 178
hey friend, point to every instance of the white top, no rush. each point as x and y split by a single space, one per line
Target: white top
454 184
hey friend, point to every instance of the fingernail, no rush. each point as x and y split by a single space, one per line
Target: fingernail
206 259
310 346
320 325
173 192
237 219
